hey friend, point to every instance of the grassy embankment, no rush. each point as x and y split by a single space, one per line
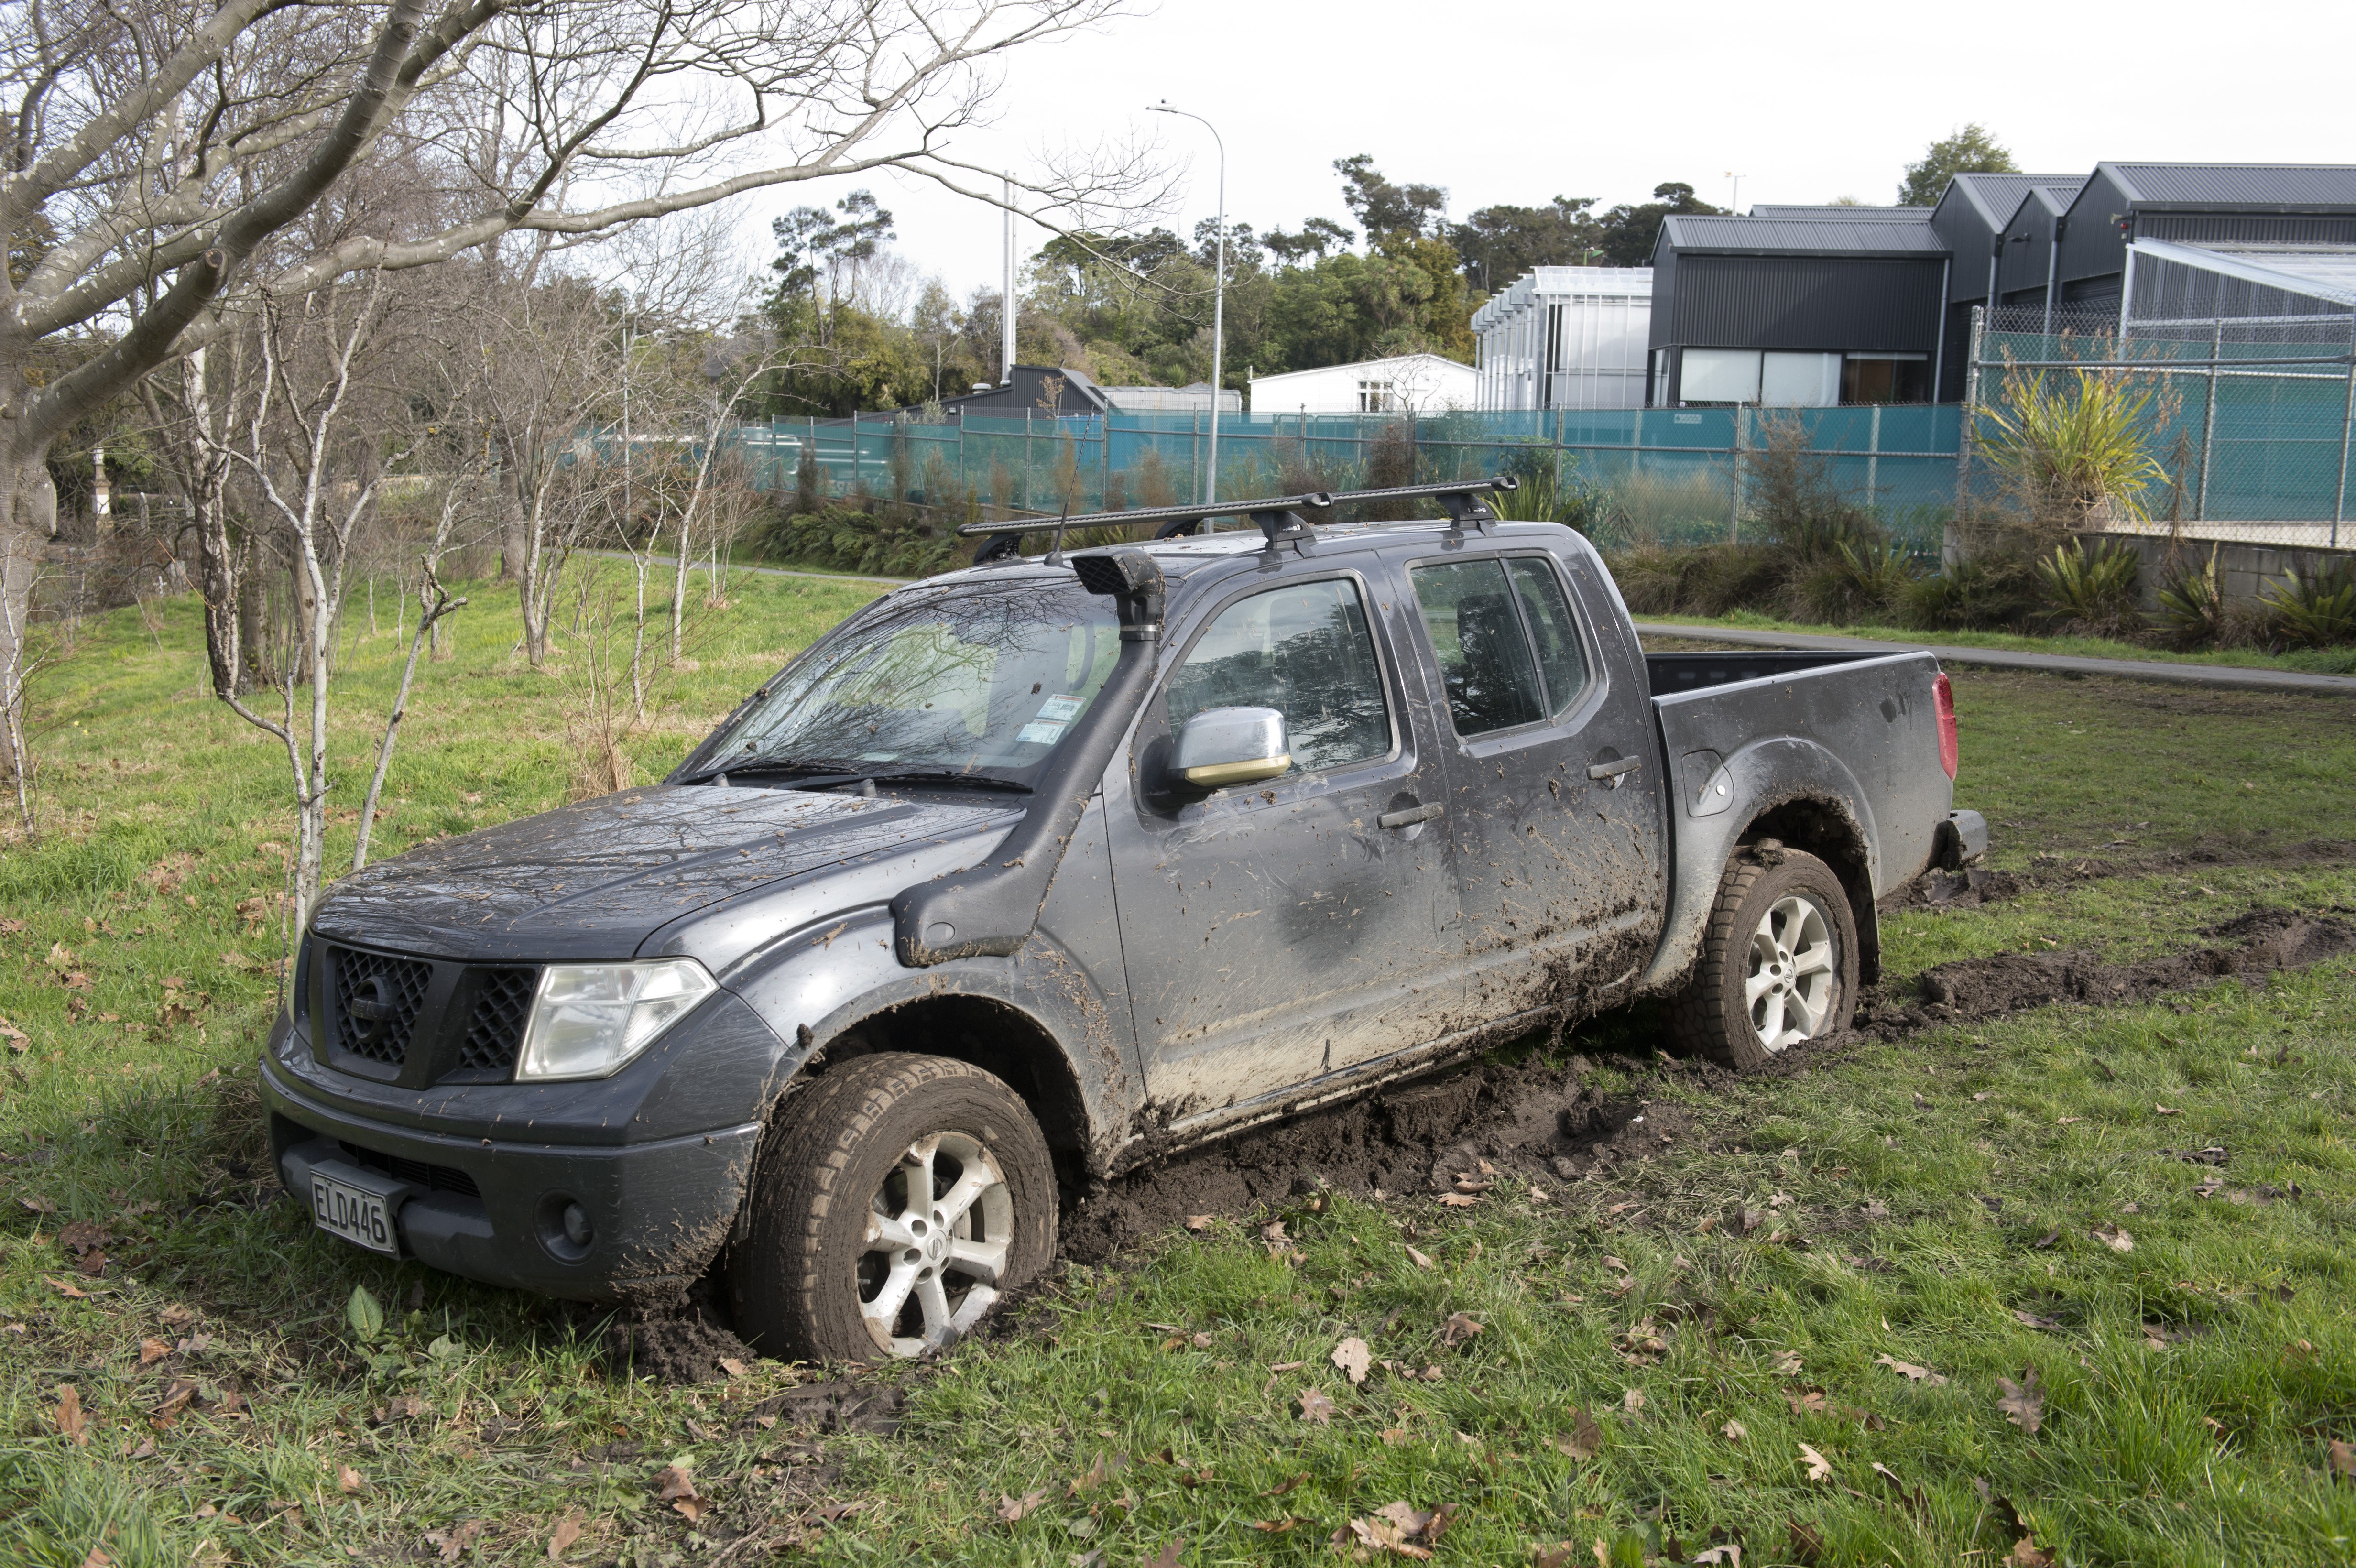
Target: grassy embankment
2191 1387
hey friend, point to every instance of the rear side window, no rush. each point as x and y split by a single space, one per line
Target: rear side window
1507 646
1304 650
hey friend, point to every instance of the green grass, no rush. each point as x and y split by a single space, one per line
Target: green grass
2313 661
130 1106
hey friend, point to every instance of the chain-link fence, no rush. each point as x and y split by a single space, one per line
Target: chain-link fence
2249 418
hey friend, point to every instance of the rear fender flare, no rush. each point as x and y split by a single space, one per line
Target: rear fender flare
1782 771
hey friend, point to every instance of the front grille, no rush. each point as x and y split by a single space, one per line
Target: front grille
389 990
495 1032
416 1172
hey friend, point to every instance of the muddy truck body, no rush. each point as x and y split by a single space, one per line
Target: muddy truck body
1029 873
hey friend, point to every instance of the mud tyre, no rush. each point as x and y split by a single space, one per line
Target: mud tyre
1779 961
894 1202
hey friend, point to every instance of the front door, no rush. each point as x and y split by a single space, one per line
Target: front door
1560 868
1276 932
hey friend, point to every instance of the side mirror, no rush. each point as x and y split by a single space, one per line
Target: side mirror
1224 746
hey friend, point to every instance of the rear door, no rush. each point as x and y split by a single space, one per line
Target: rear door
1556 811
1278 932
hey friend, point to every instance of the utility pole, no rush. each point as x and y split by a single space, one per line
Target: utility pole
1006 300
1210 491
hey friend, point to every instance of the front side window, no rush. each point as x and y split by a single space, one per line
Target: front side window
986 679
1304 650
1508 648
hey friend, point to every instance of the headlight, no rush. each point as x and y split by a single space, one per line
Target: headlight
590 1019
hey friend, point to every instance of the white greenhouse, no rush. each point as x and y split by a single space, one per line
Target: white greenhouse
1567 338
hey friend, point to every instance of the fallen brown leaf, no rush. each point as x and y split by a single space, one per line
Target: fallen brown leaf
2341 1459
1584 1440
1633 1401
1417 1258
673 1483
39 1205
2027 1554
732 1367
2115 1237
1198 1223
1458 1200
2166 1110
347 1480
1282 1488
2023 1402
1315 1406
1911 1372
1787 1364
1272 1526
68 1416
1735 1431
152 1352
1011 1510
1819 1467
567 1532
66 1287
1460 1327
1353 1357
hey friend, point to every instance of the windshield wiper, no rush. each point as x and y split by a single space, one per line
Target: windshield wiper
778 767
945 779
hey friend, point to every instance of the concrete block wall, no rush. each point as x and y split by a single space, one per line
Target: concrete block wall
2242 569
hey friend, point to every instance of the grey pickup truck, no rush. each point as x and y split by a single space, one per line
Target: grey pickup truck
1032 872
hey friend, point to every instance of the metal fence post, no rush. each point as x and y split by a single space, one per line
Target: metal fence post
1734 484
1967 436
2209 425
2347 423
1873 458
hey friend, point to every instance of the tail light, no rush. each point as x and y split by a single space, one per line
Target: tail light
1943 698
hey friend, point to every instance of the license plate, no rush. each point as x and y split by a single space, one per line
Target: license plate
360 1217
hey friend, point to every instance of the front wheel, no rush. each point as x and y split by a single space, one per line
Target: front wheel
1779 961
896 1202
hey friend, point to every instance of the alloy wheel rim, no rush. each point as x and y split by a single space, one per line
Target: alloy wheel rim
1792 974
939 1228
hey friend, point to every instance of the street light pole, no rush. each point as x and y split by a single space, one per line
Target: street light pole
1219 296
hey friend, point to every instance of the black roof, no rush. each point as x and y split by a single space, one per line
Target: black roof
1841 209
2329 187
1757 236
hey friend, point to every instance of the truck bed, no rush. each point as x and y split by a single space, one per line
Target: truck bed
1674 673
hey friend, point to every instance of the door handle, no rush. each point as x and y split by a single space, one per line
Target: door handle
1611 773
1411 816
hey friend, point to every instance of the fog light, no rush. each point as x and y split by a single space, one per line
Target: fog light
577 1228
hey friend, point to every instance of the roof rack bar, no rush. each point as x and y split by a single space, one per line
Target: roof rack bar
1312 501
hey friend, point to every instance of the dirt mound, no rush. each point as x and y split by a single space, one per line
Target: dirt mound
2252 945
684 1344
1967 889
1524 1117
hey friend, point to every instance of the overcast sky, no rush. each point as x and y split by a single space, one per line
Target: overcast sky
1519 102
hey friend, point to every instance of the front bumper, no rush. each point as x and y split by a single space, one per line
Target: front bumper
492 1209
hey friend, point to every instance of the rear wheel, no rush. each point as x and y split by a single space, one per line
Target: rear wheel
897 1200
1779 961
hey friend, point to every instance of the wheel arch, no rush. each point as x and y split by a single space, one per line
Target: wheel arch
1821 828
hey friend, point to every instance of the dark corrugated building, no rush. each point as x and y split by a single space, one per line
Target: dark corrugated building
2196 204
1806 305
1796 312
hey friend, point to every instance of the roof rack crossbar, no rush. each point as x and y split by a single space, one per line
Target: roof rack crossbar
1460 498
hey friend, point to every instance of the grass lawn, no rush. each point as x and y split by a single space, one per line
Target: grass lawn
1932 1222
2314 661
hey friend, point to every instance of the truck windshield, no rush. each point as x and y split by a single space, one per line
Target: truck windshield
982 680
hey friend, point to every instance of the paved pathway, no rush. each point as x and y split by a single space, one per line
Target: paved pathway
2230 677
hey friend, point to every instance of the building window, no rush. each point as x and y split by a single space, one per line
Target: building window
1774 377
1376 398
1886 379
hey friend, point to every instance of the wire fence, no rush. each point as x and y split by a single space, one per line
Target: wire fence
2249 418
1668 476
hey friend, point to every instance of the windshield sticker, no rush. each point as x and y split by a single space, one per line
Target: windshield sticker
1040 731
1060 709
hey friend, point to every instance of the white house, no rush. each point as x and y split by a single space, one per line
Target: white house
1406 383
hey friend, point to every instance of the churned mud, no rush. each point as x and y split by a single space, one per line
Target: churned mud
1529 1120
2254 945
675 1344
1522 1118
